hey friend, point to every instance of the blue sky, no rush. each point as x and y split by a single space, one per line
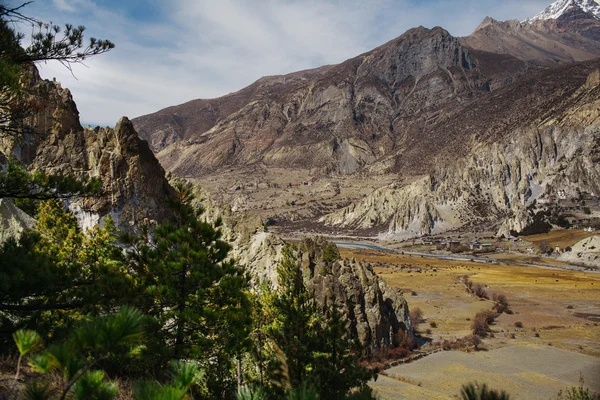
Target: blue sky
172 51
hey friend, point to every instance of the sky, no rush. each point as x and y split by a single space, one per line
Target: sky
172 51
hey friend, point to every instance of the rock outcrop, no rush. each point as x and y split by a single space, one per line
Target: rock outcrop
376 312
585 252
13 221
133 182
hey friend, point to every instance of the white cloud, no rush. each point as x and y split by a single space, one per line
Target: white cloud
203 49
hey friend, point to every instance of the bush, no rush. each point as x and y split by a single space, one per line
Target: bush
480 327
501 305
519 324
475 341
481 392
480 292
433 324
416 316
577 393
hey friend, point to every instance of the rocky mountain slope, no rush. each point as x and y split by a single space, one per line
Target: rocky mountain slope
474 129
347 117
335 119
574 35
585 252
503 174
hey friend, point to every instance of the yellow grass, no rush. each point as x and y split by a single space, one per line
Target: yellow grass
539 298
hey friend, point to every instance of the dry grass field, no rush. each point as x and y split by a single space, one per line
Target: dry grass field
559 311
562 238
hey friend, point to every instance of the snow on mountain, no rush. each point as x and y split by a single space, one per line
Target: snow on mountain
559 7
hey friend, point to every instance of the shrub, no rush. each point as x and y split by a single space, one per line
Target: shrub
545 247
475 341
480 291
519 324
481 392
433 324
480 327
501 304
416 316
577 393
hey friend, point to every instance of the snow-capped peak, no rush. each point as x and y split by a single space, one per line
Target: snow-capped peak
559 7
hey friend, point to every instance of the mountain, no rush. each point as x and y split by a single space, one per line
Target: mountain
336 119
343 118
561 7
574 35
496 185
433 112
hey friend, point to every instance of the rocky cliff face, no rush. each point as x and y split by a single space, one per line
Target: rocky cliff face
495 184
13 221
133 182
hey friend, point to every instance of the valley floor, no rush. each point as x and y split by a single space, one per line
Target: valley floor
559 311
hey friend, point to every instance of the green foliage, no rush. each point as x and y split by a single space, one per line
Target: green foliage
27 341
197 295
246 393
337 366
156 391
295 329
54 275
94 339
304 392
92 386
331 253
48 41
481 392
27 189
38 390
577 392
185 375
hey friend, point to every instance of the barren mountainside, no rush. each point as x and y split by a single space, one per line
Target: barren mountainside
343 118
475 129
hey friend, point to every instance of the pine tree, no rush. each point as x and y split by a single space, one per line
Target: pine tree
338 363
197 295
297 326
56 273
